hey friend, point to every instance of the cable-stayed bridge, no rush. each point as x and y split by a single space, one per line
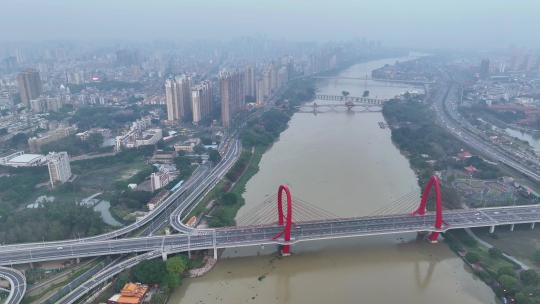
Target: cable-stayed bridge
284 220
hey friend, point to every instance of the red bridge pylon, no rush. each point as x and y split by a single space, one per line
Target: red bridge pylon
286 222
433 182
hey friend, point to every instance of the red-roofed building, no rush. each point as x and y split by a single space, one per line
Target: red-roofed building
471 169
131 293
464 155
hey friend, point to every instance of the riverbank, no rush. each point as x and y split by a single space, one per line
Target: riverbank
432 150
346 164
257 137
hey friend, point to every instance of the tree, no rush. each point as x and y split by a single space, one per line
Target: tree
94 141
472 257
172 280
495 252
529 277
122 279
206 140
214 156
345 93
537 255
229 198
506 270
150 272
18 140
509 283
177 265
199 149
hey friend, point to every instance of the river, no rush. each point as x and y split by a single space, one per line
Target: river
533 141
345 164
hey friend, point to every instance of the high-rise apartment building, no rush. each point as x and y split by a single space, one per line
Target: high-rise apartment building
178 97
231 89
201 100
282 77
274 77
484 69
159 180
267 83
249 82
29 85
260 96
184 93
173 112
59 168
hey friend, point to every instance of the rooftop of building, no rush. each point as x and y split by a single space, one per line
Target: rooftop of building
26 158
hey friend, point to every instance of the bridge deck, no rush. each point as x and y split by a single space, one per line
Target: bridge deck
354 99
259 235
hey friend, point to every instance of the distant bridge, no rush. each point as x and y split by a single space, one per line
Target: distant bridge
339 107
397 81
358 100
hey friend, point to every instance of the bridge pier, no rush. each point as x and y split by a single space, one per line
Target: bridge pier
512 227
421 235
214 241
491 229
189 245
285 250
532 226
164 256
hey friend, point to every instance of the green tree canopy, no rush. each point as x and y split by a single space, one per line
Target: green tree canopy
150 272
213 156
472 257
509 283
172 280
177 265
229 198
529 277
495 252
122 279
508 270
537 255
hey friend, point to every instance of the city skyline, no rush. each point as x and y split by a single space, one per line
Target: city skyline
141 141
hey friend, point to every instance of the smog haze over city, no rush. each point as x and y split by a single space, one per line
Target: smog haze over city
286 151
415 23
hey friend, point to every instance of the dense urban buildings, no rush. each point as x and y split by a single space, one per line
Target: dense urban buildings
35 143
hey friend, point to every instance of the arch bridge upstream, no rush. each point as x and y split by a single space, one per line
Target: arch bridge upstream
297 221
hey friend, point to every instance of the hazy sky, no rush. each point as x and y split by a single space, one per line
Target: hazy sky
426 23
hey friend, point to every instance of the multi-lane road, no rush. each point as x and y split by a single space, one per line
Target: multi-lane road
199 175
233 150
200 183
261 235
180 202
17 284
447 117
104 275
